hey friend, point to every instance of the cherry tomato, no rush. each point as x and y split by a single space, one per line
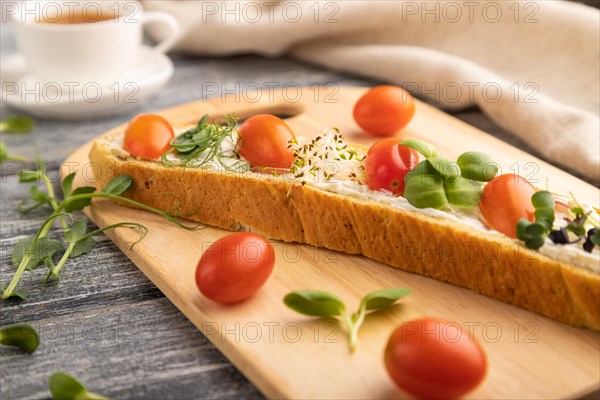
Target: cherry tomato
506 200
148 136
265 140
434 359
384 110
235 267
387 163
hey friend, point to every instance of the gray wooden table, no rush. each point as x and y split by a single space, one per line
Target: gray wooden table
106 323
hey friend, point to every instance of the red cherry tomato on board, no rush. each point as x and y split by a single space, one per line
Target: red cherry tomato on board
384 110
434 359
265 140
148 136
387 163
235 267
505 200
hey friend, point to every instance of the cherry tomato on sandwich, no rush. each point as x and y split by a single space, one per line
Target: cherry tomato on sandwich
387 163
384 110
148 136
235 267
506 200
265 140
434 359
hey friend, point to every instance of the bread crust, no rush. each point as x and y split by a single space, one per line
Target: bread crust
449 251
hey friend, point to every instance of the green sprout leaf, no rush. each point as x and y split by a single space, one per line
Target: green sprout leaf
543 199
3 152
322 304
383 298
202 137
26 176
595 237
16 124
315 303
547 222
42 249
534 234
577 211
198 136
20 249
477 166
76 230
15 294
445 168
67 183
577 226
83 246
426 191
544 214
39 198
463 192
22 336
118 185
75 234
422 147
82 203
535 229
422 168
63 386
535 242
521 226
6 156
202 144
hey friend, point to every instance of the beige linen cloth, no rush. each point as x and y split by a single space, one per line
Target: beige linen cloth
532 67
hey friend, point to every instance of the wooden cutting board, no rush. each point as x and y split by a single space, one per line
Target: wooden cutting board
287 355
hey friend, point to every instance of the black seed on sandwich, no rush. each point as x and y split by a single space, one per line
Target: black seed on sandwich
588 246
560 236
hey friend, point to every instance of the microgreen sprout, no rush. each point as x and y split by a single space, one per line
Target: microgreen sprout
327 156
22 336
581 224
317 303
593 214
436 181
420 146
63 386
534 233
38 249
203 144
16 124
6 156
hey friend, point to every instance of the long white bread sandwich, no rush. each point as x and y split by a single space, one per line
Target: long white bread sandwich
448 224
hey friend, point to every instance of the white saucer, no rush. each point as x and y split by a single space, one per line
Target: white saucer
82 100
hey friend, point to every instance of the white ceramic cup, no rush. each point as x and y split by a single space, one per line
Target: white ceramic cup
100 49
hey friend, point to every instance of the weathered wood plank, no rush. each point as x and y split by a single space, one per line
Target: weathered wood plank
144 349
